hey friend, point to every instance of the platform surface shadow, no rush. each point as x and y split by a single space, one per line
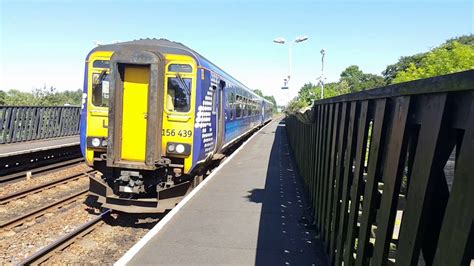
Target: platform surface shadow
252 212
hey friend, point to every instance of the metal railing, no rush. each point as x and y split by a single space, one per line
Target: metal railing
26 123
389 172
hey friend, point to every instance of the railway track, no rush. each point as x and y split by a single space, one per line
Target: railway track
47 252
43 169
31 215
36 189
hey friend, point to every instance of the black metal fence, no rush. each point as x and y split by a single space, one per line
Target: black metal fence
25 123
390 172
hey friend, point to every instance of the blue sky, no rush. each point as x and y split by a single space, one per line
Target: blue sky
45 42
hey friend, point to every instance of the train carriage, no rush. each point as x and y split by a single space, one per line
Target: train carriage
154 114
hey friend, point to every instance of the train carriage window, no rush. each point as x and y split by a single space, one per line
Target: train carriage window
246 107
101 64
180 68
179 94
100 89
238 107
231 104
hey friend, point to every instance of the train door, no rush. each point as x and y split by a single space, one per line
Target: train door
220 116
135 112
134 118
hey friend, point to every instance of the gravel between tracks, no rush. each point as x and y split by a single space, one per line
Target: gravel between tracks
107 243
42 179
22 241
21 206
104 245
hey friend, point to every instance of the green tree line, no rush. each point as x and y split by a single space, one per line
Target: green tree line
452 56
270 98
41 97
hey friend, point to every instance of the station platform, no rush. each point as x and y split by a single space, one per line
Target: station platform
25 147
252 210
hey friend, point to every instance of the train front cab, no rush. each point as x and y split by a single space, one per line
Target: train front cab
97 101
150 129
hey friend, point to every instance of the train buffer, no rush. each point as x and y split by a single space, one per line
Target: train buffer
253 210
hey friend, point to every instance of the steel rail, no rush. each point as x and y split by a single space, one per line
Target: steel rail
35 189
41 169
42 210
47 252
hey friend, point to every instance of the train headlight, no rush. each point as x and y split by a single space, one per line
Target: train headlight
95 142
180 148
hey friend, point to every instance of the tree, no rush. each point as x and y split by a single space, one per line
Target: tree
16 97
271 99
3 96
454 55
403 63
334 89
307 94
359 81
268 97
353 76
41 97
258 92
295 105
352 79
465 39
449 58
406 62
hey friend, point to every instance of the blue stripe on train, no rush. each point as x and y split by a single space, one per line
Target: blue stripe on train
83 126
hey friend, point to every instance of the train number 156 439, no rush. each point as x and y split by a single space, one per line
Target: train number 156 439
172 132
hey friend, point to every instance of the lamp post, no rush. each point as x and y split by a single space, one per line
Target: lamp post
323 52
290 47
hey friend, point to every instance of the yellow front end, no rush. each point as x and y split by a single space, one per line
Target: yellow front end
97 102
178 116
141 170
178 111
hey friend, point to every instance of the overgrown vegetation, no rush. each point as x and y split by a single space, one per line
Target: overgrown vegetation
454 55
269 98
41 97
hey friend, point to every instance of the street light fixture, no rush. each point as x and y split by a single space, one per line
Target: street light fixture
281 40
323 53
301 39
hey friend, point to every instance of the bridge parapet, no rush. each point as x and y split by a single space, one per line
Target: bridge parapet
26 123
389 171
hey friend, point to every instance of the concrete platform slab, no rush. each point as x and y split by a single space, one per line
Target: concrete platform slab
37 145
251 212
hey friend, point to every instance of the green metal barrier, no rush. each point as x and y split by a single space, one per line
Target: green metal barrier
390 172
26 123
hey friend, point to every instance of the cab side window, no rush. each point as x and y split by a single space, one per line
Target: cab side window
179 95
100 89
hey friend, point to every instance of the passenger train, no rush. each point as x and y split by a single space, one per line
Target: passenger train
155 113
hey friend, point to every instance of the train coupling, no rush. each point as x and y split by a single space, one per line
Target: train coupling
165 199
131 182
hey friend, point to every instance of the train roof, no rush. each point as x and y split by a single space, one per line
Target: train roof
170 47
